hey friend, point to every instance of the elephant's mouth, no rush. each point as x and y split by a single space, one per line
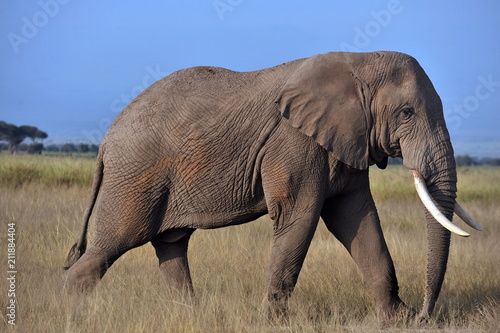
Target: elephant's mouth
428 202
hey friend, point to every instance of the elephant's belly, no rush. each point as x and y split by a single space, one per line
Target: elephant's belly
217 220
215 216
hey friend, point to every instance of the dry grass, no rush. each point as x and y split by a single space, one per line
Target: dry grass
229 267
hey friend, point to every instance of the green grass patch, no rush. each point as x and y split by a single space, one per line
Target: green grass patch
49 171
479 183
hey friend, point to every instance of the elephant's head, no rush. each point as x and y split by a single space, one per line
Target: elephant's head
363 107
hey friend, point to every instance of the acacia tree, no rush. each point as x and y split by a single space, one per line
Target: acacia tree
14 135
33 133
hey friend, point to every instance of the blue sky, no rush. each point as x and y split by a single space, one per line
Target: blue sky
70 66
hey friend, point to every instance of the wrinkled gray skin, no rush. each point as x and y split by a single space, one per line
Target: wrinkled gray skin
207 147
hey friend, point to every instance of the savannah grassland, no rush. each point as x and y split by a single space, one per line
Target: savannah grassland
45 198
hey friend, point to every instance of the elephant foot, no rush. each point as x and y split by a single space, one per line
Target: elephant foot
422 319
397 314
277 312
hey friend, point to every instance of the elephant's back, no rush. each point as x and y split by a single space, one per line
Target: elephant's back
188 96
198 94
199 113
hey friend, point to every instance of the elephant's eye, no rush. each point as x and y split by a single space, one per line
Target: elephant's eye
407 113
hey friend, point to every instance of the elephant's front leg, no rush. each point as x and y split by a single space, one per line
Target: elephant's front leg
292 236
353 219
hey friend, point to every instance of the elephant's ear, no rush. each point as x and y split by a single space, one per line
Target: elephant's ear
324 100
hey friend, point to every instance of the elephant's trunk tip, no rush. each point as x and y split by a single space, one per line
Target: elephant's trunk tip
74 254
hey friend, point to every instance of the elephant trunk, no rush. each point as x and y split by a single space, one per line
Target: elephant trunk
441 184
438 239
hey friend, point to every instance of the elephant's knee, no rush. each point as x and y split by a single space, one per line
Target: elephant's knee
85 274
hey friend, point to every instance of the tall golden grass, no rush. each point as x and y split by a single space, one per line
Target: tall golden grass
45 198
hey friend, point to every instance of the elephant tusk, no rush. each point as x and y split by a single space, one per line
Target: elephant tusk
466 217
426 198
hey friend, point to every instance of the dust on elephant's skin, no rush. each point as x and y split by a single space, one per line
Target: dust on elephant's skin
207 147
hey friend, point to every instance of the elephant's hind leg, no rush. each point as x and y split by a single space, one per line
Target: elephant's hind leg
126 216
171 250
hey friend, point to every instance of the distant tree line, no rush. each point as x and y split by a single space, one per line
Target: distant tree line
461 160
466 160
67 148
14 135
70 148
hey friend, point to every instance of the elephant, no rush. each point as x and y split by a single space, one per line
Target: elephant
207 147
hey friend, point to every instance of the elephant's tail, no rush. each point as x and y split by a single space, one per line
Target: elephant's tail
78 249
